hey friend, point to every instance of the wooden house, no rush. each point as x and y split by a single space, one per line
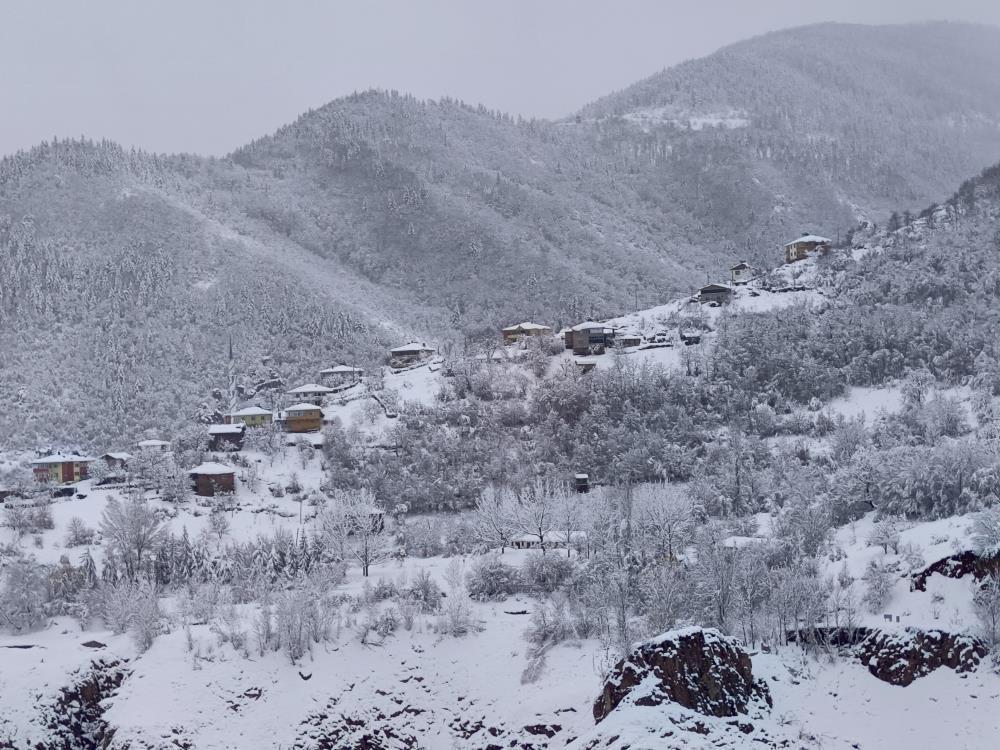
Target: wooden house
410 354
581 483
251 416
801 248
302 418
715 294
742 273
590 338
209 479
553 540
341 374
60 468
584 366
690 336
223 437
512 334
311 392
153 446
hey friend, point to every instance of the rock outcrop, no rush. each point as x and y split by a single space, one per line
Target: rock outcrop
900 657
699 669
963 564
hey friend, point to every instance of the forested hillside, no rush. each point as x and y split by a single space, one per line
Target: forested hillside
378 217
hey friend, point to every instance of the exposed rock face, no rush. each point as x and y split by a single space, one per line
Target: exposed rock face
963 564
901 657
700 669
77 717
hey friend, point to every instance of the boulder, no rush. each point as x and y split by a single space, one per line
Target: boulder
963 564
697 668
900 657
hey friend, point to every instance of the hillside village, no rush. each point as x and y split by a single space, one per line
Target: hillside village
308 407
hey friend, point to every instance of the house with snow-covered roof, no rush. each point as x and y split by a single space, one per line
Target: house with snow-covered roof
589 338
800 248
226 436
312 392
410 354
301 418
251 416
60 468
517 332
210 478
153 446
715 294
742 273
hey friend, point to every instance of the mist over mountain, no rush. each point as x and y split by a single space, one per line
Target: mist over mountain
378 217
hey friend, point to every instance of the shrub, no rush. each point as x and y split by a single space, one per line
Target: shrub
424 592
78 534
547 572
492 579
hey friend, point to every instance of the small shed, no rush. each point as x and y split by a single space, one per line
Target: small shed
302 418
209 479
581 482
742 273
60 468
223 437
801 248
690 336
627 337
251 416
517 332
715 294
585 365
410 354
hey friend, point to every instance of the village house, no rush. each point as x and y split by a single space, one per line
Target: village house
209 479
153 446
341 374
589 338
715 294
60 468
223 437
742 273
512 334
410 354
251 416
302 418
553 540
626 337
584 366
690 336
311 392
581 483
801 248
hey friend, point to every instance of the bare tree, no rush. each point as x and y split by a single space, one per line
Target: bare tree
355 525
132 531
495 520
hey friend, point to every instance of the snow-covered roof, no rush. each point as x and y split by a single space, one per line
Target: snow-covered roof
809 238
251 411
340 369
152 443
119 456
526 326
210 467
225 429
582 476
413 346
587 326
303 407
724 287
740 266
62 458
311 388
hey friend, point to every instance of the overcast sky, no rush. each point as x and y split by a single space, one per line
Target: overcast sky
209 75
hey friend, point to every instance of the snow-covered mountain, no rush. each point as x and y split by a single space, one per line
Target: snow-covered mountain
377 216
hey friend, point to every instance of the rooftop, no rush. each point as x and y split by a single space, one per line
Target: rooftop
303 407
225 429
61 458
210 467
311 388
251 411
811 238
413 346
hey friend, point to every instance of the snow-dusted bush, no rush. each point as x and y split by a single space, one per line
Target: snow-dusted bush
22 596
986 531
885 534
878 580
546 573
78 534
424 592
986 603
491 578
557 620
